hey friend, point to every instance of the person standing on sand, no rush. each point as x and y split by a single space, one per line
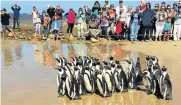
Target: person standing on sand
80 23
5 23
55 26
34 14
44 21
16 15
147 20
96 8
177 25
71 15
38 25
51 13
59 11
87 15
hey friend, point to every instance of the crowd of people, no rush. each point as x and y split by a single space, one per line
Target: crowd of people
162 22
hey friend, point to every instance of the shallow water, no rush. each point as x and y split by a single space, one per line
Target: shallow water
29 78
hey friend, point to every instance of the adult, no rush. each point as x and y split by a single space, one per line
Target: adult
121 15
175 7
161 18
142 6
59 11
106 6
171 13
87 15
51 13
128 18
16 15
80 23
177 25
135 25
34 14
96 8
156 10
71 15
147 21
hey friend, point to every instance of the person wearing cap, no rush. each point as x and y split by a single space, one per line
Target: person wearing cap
177 26
96 8
5 23
59 11
161 17
147 21
87 15
16 15
71 16
51 13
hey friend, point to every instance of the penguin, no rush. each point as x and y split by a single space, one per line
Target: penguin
60 62
107 73
88 79
61 82
113 69
153 85
138 72
101 84
166 84
72 85
121 79
131 75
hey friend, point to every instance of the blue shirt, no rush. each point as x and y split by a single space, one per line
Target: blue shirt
167 26
16 11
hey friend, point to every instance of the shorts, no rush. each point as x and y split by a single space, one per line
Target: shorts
5 27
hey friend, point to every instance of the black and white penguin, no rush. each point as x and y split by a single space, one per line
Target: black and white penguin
166 85
101 84
138 72
153 84
121 79
61 82
107 73
131 75
88 79
111 60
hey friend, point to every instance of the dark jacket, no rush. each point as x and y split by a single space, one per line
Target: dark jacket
16 11
5 19
88 15
148 17
94 8
59 12
51 12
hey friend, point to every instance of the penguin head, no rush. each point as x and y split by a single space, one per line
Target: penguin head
164 69
147 58
129 62
76 68
117 62
154 60
113 65
96 59
105 63
111 58
119 66
93 64
79 63
87 68
146 73
107 67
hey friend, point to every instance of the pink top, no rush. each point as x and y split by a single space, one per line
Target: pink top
71 17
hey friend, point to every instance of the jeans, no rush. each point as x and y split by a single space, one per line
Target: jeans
134 30
147 32
60 26
15 21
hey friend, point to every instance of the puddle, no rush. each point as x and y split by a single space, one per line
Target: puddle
28 75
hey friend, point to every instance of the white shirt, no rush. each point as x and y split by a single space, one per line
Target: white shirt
118 10
38 20
34 13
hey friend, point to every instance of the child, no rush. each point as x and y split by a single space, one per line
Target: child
45 21
55 26
80 25
5 23
37 25
167 29
104 26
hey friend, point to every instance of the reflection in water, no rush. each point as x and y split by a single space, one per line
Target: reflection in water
8 57
18 52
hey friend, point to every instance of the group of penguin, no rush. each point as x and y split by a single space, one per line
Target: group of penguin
85 74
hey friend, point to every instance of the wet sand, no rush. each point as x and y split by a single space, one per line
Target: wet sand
28 75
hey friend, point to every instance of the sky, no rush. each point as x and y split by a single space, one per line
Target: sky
26 6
